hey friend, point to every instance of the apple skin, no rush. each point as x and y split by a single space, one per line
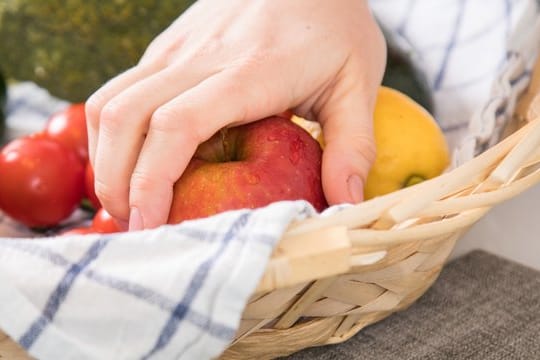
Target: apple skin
250 166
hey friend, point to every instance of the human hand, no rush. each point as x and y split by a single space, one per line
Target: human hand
226 63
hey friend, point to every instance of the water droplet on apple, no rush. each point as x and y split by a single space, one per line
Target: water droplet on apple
253 179
294 157
295 149
272 138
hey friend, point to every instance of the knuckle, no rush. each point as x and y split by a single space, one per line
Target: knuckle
210 48
112 200
141 182
112 113
93 106
256 60
166 118
178 119
144 184
366 148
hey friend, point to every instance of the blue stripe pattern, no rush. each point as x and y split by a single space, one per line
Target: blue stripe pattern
59 295
178 309
508 17
193 288
206 235
450 47
140 292
402 27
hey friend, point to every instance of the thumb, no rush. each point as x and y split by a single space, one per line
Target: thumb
347 123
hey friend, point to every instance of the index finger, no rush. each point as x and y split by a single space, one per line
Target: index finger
178 127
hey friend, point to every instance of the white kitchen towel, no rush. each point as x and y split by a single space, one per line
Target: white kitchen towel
178 292
477 57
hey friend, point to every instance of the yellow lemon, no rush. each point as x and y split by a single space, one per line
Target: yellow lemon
410 145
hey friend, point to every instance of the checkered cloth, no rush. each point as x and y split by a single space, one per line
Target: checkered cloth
477 57
178 292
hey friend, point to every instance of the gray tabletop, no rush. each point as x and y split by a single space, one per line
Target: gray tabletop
481 307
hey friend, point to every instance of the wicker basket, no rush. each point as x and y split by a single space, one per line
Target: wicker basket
330 277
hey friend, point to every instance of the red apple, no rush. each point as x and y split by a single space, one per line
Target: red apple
250 166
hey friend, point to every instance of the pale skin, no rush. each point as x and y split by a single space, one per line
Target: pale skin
224 63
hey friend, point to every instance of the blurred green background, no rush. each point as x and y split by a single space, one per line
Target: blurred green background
72 47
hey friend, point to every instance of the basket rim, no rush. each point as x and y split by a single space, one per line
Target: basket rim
446 204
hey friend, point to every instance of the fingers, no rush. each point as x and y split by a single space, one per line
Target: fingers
175 131
350 146
346 116
145 125
347 159
97 101
123 123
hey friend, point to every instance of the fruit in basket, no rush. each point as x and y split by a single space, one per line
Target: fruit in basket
68 127
250 166
311 127
411 147
105 223
102 223
42 181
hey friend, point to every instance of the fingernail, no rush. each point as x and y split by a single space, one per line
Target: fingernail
356 188
135 220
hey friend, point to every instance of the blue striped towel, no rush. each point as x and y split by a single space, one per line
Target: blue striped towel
178 292
477 57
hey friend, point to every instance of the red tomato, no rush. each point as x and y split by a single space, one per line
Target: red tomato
41 181
79 231
104 223
89 186
68 127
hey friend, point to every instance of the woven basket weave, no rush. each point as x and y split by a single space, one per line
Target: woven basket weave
330 277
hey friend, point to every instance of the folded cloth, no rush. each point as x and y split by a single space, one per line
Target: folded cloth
477 58
28 107
179 291
482 307
174 292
